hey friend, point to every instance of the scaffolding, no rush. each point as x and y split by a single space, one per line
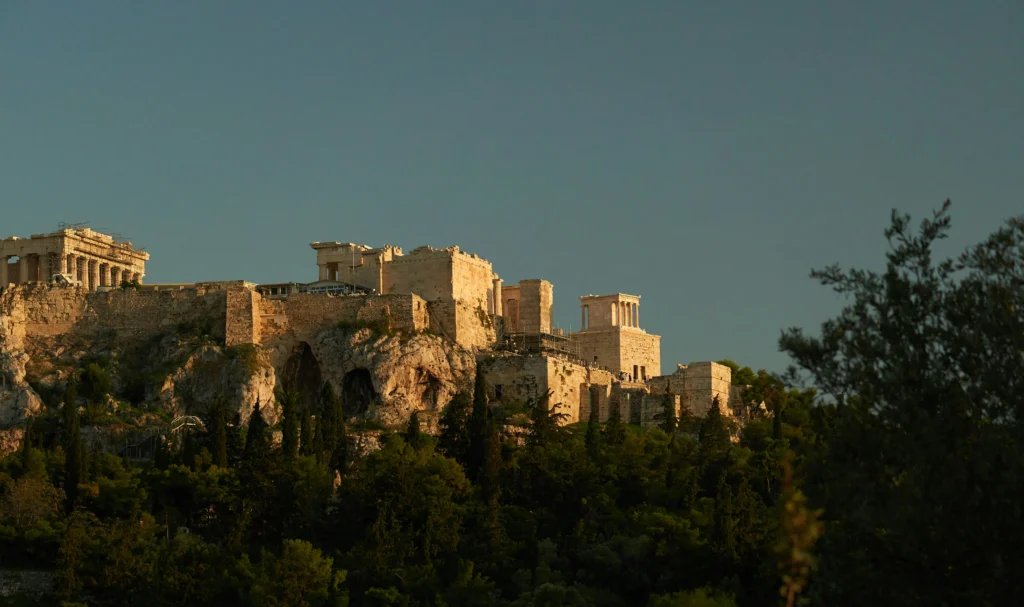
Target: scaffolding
541 343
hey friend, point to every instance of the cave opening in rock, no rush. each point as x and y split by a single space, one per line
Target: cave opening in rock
357 392
302 372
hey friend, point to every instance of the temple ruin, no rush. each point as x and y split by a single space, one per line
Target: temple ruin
75 255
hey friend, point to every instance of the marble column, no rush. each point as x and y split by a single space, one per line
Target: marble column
23 269
323 272
115 277
638 315
94 274
3 272
82 271
496 286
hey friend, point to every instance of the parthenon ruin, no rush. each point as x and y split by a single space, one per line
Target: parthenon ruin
95 260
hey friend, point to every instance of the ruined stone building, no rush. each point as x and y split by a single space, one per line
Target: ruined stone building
93 259
393 332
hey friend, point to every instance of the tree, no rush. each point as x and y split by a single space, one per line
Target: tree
76 460
454 425
331 429
924 365
714 432
723 532
307 432
545 420
256 435
219 431
667 418
490 469
300 576
592 439
290 424
614 429
413 434
478 420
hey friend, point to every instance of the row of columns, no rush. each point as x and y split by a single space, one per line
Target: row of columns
92 273
629 314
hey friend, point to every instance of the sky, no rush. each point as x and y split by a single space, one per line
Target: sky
703 155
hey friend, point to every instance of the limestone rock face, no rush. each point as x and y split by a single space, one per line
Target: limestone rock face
18 400
10 440
242 375
386 378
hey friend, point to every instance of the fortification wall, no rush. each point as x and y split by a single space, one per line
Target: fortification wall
698 384
299 316
597 389
653 405
426 273
50 310
473 282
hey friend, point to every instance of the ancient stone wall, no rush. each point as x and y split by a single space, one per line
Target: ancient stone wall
510 296
639 353
535 301
597 390
53 310
297 317
653 405
601 347
698 384
473 282
428 273
242 323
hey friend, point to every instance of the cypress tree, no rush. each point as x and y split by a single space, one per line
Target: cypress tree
161 455
543 421
75 461
478 421
614 429
330 448
713 434
454 437
255 435
490 468
188 450
26 446
592 440
306 431
289 423
413 435
748 518
723 531
668 420
69 413
236 442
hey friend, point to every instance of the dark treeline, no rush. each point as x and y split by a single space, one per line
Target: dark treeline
885 471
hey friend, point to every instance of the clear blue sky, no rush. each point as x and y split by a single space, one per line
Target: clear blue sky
705 155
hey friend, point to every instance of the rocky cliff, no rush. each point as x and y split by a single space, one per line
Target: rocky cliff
145 357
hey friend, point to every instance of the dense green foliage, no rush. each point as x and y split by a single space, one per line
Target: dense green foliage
893 481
